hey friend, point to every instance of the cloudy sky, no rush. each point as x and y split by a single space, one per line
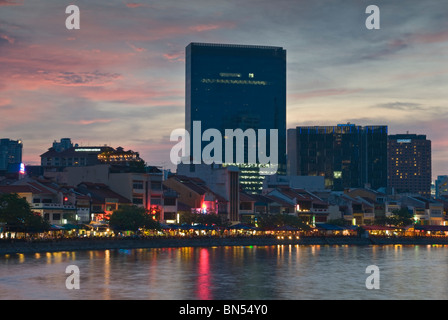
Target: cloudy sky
119 79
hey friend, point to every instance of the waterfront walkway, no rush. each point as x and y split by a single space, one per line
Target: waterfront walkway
52 245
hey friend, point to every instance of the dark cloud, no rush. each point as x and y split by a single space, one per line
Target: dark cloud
403 106
94 78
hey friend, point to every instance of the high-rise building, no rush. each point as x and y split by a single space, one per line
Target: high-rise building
346 155
410 164
238 87
10 155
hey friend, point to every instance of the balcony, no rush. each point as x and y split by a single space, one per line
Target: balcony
436 213
319 211
369 215
52 206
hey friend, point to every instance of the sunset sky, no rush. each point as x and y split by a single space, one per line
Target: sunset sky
120 79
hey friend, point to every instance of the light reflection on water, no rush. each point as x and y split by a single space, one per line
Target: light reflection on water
271 272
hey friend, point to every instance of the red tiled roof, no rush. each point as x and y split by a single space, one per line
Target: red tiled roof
30 187
16 189
99 192
246 197
280 201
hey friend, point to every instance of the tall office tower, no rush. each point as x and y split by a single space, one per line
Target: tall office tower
410 164
238 87
348 156
10 155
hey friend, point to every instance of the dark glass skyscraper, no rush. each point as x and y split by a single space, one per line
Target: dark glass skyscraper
348 156
238 87
10 155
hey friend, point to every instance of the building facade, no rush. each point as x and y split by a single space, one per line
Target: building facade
441 187
221 180
10 155
238 87
346 155
410 164
66 154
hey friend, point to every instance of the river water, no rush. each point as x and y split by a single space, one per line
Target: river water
222 273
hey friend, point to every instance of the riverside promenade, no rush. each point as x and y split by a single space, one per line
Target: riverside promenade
29 247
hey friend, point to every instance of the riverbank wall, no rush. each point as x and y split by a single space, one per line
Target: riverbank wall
28 247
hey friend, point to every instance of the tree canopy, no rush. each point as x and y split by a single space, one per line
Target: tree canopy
280 220
132 218
401 217
16 214
206 219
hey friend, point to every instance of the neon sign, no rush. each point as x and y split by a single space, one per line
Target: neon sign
22 169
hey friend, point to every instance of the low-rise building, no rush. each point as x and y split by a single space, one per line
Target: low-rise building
103 200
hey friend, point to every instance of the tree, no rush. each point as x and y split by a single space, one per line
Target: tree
279 220
206 219
16 214
34 223
132 218
400 217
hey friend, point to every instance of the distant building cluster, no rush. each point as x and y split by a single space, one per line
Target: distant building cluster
65 154
345 172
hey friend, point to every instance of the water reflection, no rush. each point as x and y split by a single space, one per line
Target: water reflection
203 278
253 272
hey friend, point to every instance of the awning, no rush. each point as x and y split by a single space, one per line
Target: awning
69 226
186 226
242 226
54 227
380 228
169 226
286 228
329 227
430 228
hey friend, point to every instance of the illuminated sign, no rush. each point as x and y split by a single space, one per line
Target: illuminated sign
404 140
346 125
88 150
22 169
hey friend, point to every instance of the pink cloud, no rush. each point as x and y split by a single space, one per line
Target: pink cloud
441 36
208 27
134 5
92 121
135 48
174 57
143 95
4 102
7 38
204 27
10 3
